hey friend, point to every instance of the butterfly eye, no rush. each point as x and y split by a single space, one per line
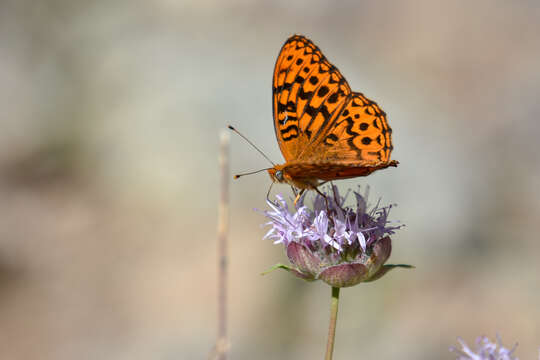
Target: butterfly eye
279 175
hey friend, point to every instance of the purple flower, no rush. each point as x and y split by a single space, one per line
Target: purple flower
485 350
340 245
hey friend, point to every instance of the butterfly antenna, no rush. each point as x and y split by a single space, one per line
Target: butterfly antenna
256 148
249 173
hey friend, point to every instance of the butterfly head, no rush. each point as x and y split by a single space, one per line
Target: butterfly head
282 174
276 174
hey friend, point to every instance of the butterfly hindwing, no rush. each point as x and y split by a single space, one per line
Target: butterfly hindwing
359 133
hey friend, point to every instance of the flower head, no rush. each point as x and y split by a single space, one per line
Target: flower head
340 245
485 350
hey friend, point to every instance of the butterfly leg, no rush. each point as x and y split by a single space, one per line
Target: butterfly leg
324 182
298 196
334 192
294 190
268 193
325 199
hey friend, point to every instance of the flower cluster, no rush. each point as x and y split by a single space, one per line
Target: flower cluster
485 350
340 245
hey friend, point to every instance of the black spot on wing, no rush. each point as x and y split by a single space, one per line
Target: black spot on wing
287 119
332 99
290 108
323 90
311 111
290 132
330 139
369 110
305 95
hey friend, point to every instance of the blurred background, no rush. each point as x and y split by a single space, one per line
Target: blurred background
109 123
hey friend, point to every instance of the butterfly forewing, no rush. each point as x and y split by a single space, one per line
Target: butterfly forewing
308 92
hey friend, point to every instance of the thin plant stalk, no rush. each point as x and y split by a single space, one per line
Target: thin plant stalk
220 350
332 327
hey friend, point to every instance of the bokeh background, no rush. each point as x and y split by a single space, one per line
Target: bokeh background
109 123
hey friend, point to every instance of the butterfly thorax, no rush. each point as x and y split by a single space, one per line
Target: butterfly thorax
280 174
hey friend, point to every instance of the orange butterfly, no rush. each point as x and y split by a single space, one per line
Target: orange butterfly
325 130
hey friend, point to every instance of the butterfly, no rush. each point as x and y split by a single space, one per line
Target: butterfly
325 130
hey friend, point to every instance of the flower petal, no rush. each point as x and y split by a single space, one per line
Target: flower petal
361 240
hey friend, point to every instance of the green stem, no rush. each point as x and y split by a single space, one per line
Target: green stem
332 327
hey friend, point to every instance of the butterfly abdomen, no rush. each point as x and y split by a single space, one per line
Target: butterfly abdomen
312 172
